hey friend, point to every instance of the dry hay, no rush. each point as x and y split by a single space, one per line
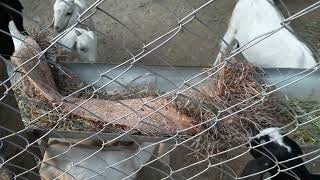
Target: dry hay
122 115
56 52
238 85
34 106
235 83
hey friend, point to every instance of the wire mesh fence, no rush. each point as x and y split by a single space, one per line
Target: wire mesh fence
135 121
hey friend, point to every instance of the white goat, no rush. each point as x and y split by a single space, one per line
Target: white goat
66 13
83 42
253 18
17 36
98 166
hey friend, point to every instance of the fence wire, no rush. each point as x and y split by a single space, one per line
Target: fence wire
125 123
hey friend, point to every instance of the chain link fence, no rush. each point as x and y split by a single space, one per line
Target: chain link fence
133 120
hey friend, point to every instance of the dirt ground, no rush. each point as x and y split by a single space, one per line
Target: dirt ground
148 19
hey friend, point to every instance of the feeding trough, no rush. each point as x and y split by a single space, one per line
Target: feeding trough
225 108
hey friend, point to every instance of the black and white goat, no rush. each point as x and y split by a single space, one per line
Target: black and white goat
269 147
7 14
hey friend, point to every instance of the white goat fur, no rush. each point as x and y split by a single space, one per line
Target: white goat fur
17 36
66 13
253 18
275 135
91 167
83 42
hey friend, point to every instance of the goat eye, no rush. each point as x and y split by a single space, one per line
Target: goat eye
83 49
69 13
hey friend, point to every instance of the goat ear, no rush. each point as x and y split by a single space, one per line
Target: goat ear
78 33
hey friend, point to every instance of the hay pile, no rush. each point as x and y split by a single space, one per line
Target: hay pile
114 116
239 85
33 106
56 53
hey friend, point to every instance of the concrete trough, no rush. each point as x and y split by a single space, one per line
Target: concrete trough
303 85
